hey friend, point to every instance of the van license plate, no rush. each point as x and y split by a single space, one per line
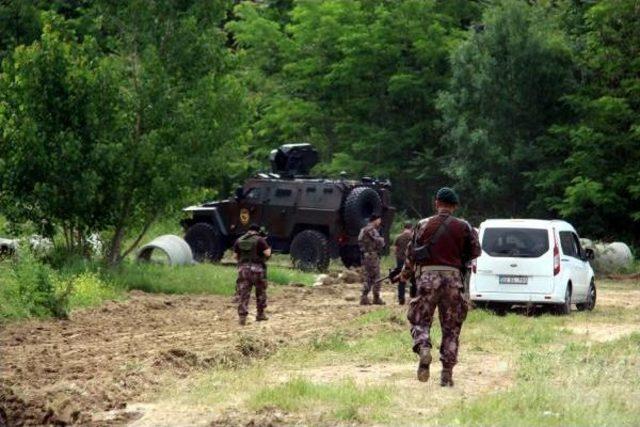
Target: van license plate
513 280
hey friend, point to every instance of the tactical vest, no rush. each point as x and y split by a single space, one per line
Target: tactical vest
248 249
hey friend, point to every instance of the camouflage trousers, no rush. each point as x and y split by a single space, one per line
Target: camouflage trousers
442 289
251 275
371 266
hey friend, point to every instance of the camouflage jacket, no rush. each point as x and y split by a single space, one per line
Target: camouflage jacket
455 248
370 239
401 243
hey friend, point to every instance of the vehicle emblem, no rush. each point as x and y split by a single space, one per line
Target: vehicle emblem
244 216
514 265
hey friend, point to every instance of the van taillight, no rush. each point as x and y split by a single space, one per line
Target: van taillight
556 255
474 266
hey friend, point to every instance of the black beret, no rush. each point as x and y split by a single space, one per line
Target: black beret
373 217
447 195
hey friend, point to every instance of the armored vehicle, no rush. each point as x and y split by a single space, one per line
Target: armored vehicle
313 219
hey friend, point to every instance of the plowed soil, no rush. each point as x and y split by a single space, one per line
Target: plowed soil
65 371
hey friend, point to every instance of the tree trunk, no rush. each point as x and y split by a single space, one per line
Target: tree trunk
138 239
113 254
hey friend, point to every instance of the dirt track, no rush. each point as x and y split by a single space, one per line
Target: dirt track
100 359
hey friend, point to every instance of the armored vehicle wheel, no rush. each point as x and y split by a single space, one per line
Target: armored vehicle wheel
205 242
350 256
359 205
310 251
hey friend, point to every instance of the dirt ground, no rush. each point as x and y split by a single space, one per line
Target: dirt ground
100 359
93 368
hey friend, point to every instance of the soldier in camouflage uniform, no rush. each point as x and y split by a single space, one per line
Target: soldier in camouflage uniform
371 243
252 251
401 242
440 248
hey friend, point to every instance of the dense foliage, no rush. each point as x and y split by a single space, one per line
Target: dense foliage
112 114
110 131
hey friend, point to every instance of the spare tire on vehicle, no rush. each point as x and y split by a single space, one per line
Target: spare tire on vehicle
360 204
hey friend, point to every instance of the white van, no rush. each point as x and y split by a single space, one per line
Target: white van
528 261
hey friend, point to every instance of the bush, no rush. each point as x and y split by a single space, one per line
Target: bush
86 290
31 290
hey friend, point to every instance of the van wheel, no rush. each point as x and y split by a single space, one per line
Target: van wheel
500 308
310 251
590 303
565 307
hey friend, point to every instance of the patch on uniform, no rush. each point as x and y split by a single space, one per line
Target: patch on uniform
244 216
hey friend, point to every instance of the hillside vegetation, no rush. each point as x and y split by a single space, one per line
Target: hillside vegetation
115 115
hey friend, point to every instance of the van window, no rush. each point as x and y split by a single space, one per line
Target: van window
515 242
570 244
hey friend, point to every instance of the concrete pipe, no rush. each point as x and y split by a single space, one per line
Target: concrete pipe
613 257
177 251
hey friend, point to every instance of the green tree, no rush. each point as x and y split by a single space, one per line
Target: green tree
115 132
595 181
58 108
508 81
357 79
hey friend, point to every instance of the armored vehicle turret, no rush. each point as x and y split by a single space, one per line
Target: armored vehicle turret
313 219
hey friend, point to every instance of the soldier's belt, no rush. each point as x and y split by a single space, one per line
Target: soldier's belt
370 253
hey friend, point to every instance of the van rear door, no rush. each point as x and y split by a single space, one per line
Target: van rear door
515 260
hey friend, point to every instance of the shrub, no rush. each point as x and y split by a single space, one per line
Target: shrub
34 289
85 289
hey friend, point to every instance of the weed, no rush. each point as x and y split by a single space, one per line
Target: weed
87 290
345 400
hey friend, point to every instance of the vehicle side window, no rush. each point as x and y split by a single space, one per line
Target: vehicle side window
283 192
579 249
253 194
568 244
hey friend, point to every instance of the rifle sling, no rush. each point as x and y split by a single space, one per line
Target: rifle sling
423 252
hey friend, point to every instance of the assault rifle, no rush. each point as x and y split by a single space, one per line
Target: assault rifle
393 276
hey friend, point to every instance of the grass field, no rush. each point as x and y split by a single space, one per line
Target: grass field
582 369
29 288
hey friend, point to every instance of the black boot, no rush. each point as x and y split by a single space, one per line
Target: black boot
364 300
261 317
378 301
446 377
242 320
423 365
401 292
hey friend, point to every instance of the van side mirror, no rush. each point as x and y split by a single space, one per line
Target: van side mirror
239 193
590 254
